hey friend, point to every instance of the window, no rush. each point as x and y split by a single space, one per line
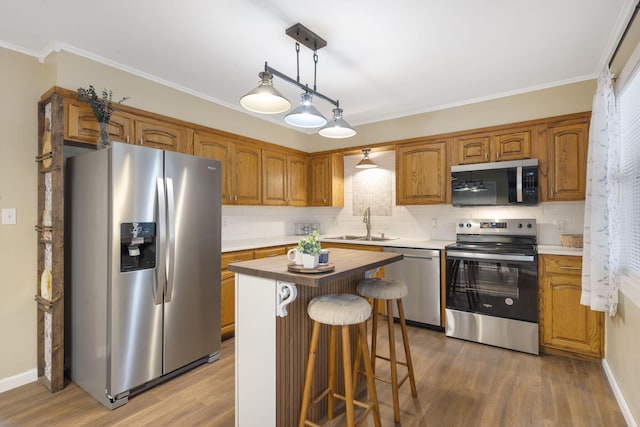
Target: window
629 110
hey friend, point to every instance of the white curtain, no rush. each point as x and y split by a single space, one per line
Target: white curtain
601 252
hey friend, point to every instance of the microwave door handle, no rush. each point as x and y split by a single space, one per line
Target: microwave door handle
519 184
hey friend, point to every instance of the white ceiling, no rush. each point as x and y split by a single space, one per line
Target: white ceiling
384 59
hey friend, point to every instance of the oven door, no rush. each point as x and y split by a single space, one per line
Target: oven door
501 285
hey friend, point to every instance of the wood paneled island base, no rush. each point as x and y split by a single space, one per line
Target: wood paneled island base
272 345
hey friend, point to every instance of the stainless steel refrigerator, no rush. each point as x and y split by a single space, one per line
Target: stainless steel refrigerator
143 267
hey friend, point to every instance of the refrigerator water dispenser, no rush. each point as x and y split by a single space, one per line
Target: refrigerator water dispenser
137 246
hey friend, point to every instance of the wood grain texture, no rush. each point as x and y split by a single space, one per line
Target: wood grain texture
459 384
347 262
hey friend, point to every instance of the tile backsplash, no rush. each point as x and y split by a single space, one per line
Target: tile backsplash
425 222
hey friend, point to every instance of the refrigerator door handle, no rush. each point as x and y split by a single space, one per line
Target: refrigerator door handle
161 276
171 244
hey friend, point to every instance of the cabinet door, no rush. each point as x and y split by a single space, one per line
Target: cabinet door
247 174
214 146
227 303
82 126
228 290
320 181
163 135
567 161
422 176
471 149
274 172
568 325
297 167
511 146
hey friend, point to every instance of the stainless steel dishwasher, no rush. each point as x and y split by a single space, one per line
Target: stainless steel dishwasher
420 270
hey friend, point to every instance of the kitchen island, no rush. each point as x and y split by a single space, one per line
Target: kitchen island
273 331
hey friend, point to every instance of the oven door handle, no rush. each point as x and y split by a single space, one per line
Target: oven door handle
494 257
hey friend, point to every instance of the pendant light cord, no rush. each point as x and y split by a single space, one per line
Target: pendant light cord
298 62
315 68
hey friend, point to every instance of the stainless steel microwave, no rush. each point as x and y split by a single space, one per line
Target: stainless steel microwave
495 184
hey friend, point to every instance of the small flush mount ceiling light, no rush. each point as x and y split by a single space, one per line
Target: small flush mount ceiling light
366 162
267 100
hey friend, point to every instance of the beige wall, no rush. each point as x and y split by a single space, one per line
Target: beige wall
23 80
623 351
20 89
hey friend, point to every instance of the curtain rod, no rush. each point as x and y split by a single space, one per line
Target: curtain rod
624 34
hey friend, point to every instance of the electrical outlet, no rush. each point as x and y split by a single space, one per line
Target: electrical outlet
224 222
8 216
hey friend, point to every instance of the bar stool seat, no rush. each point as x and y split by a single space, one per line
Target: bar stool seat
339 311
389 290
382 289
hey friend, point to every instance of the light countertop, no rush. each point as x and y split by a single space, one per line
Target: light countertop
246 244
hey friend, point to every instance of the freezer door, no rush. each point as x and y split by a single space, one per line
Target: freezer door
134 318
192 298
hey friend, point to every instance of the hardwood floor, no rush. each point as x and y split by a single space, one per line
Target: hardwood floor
459 384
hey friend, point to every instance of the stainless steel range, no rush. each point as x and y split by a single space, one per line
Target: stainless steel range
492 283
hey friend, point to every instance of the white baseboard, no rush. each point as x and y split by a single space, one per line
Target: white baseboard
27 377
626 412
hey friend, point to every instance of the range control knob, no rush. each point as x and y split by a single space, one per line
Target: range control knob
529 225
468 225
519 225
461 225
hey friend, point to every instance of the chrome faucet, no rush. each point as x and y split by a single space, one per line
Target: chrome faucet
367 220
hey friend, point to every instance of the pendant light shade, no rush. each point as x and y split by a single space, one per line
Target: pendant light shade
366 163
305 115
337 127
265 98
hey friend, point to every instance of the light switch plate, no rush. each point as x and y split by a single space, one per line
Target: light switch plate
8 216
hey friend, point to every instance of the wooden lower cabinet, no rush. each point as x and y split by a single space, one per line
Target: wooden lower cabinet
228 283
228 291
566 326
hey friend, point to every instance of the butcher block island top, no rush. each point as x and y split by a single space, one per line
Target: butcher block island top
347 263
272 332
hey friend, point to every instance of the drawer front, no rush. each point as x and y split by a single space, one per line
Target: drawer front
230 257
562 264
269 252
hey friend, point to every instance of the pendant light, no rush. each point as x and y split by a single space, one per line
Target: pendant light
305 115
338 127
265 98
366 162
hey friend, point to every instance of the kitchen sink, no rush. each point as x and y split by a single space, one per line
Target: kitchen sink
360 238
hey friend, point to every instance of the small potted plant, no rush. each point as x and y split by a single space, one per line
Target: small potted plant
310 249
102 108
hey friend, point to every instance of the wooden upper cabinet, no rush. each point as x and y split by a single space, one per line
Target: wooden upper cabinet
81 125
297 172
471 149
215 146
163 135
326 180
422 173
284 179
246 174
511 144
566 161
274 178
241 166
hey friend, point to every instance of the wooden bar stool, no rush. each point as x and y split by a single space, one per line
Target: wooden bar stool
339 310
389 290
